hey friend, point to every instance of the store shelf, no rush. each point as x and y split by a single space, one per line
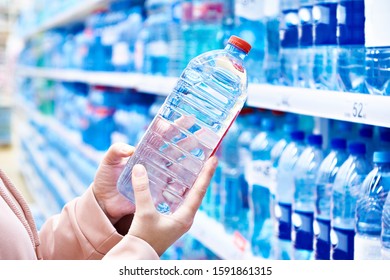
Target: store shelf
143 83
359 108
212 234
71 15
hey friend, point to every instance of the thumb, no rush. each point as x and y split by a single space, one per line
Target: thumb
143 199
117 152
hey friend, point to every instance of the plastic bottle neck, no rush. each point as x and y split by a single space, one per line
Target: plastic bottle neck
235 51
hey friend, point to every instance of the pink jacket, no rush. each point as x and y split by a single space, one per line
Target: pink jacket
80 231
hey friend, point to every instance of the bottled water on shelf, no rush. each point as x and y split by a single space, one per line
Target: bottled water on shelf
366 135
190 125
377 46
284 194
369 207
346 188
152 45
306 41
259 180
325 44
288 31
271 60
385 233
201 24
305 173
384 139
351 54
324 183
250 25
122 57
232 184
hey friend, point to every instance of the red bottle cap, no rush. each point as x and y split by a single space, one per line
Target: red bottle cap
240 43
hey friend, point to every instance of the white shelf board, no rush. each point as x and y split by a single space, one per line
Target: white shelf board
360 108
73 14
227 246
143 83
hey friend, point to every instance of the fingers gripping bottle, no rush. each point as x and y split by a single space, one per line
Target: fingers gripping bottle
190 125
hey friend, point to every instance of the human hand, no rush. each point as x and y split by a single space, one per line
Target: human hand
161 230
113 204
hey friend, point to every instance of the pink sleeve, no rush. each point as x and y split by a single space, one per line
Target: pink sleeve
82 231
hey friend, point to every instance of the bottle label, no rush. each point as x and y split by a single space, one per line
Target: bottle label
250 9
260 172
303 234
342 243
283 212
321 230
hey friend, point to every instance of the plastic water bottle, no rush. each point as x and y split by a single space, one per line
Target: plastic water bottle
385 233
284 194
324 182
260 179
384 139
201 24
250 25
232 185
346 188
366 135
377 46
271 61
152 45
123 50
291 123
351 56
369 207
190 125
306 42
305 173
288 31
325 44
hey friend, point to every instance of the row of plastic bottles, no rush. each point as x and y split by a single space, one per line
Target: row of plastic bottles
100 115
293 199
321 44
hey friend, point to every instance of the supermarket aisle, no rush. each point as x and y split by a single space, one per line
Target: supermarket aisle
9 155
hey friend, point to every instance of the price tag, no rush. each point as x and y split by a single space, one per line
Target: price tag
357 110
260 172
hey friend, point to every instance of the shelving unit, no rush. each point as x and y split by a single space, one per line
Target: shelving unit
360 108
71 15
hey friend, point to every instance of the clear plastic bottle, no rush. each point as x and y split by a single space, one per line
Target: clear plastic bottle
351 54
385 233
250 25
346 188
284 194
325 178
305 173
306 43
271 61
201 24
325 44
288 31
366 135
127 30
152 45
260 222
190 125
369 207
377 46
232 185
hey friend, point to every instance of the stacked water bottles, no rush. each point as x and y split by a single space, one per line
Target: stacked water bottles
321 44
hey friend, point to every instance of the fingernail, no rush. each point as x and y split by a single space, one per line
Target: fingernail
139 170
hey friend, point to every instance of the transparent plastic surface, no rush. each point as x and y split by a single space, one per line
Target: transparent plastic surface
189 126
